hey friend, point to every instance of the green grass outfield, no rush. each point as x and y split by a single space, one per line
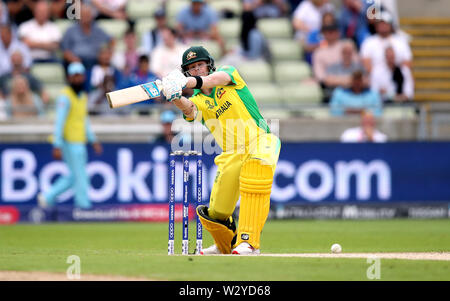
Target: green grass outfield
140 250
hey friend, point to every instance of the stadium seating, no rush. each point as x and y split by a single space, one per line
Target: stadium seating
64 24
399 112
301 93
285 49
256 71
141 8
291 71
115 28
430 45
430 96
142 26
212 47
265 93
49 73
174 6
315 112
276 28
54 90
233 6
229 28
120 45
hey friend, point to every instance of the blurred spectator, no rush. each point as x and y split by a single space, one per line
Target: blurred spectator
374 47
353 21
152 38
104 78
355 99
198 21
8 45
103 68
41 35
4 16
141 74
20 10
329 53
366 132
127 60
18 69
3 109
167 56
315 37
293 4
340 73
5 61
22 102
267 8
167 135
58 9
307 17
82 41
253 44
394 82
72 132
110 9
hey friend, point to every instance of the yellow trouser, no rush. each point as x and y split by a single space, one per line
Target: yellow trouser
227 185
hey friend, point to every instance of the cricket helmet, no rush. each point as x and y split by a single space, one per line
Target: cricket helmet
196 54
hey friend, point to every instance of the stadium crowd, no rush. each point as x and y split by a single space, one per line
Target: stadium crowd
358 57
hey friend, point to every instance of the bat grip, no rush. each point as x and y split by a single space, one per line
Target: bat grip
109 100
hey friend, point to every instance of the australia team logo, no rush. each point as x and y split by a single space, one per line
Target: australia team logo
219 93
191 55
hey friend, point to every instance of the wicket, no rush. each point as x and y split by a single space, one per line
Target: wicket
185 222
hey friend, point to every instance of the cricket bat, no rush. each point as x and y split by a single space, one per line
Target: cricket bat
134 94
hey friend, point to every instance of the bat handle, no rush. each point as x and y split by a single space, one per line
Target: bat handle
109 100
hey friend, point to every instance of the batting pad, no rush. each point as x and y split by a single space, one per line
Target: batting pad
223 232
255 186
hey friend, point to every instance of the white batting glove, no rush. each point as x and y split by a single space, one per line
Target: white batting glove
173 84
178 77
171 90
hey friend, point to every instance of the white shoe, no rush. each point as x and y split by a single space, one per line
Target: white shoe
213 250
245 249
42 202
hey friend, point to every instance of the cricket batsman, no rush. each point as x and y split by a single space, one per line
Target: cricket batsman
224 104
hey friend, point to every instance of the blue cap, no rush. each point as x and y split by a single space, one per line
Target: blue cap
159 13
167 116
75 68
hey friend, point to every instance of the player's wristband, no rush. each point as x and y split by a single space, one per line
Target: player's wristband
199 82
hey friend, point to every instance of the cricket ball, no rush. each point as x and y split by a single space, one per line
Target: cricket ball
336 248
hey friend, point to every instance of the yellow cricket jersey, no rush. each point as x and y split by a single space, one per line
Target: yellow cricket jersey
75 127
230 113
